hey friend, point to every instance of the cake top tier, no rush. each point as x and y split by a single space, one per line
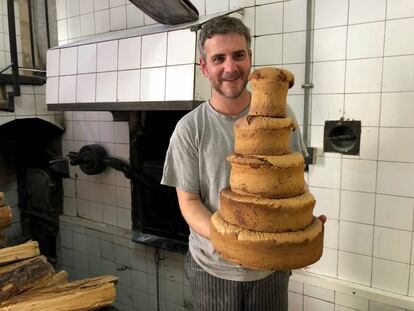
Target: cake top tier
269 90
272 74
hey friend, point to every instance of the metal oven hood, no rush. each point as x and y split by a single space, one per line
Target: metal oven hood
146 68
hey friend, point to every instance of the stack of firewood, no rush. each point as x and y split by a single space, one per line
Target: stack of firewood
29 282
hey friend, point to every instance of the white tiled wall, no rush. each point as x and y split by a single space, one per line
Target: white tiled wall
362 64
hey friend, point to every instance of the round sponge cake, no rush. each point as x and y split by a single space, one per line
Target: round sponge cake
268 251
262 135
267 215
267 176
269 91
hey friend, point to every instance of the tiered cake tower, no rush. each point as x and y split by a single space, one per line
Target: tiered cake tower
266 218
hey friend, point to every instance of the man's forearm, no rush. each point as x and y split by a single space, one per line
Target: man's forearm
194 212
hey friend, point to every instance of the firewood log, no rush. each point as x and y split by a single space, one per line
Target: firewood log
57 279
83 295
1 199
5 216
22 275
22 251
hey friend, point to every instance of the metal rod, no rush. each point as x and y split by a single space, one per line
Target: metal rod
308 83
13 48
32 69
29 5
47 23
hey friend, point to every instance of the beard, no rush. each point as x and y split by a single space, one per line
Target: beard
231 91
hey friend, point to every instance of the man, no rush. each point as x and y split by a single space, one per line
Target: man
195 165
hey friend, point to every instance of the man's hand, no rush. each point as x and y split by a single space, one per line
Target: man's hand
323 218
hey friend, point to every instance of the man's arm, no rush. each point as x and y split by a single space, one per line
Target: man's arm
194 212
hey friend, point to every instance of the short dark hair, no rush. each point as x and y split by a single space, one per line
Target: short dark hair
222 25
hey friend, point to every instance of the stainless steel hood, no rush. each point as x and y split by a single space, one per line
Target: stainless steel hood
146 68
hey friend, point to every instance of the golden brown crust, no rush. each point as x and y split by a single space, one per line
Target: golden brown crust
269 251
267 215
267 176
260 135
269 91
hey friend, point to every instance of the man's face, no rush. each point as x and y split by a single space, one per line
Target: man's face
227 64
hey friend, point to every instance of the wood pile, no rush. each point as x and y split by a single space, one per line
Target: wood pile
29 282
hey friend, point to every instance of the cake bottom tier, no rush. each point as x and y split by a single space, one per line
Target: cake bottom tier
267 251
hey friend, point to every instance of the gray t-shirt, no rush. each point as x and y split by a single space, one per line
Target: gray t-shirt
196 163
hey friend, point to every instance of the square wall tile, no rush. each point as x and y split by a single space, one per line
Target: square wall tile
330 13
52 63
68 61
215 6
295 301
327 202
106 132
294 15
87 58
365 40
102 23
398 75
128 85
359 175
25 105
264 44
269 18
392 139
325 173
326 107
357 206
394 212
87 25
153 84
400 8
370 81
60 9
74 30
355 268
52 90
323 41
336 73
67 89
331 234
86 88
397 109
310 304
154 50
181 47
107 56
121 132
180 82
351 301
399 42
295 286
85 6
129 54
392 244
366 11
118 18
356 238
390 276
327 264
294 47
319 292
299 71
364 107
395 178
106 85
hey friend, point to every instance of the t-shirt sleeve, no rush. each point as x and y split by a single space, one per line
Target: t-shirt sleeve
297 142
181 169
